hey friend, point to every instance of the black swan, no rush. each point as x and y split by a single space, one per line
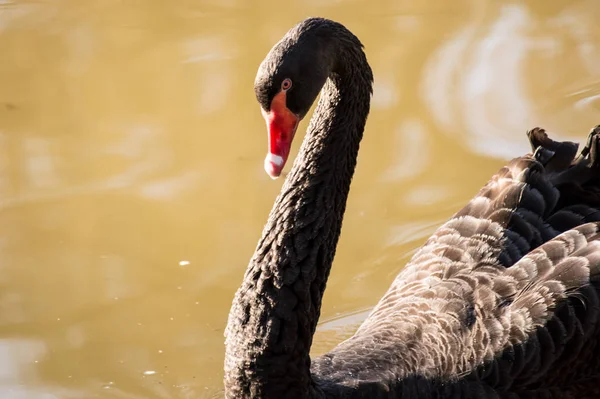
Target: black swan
501 302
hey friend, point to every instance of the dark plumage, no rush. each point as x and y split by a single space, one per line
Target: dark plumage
501 302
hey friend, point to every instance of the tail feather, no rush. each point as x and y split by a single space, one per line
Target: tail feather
579 183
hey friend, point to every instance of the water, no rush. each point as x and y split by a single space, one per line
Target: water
132 192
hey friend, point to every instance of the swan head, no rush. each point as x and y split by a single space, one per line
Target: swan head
288 82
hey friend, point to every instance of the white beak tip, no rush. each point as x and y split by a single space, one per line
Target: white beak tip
273 165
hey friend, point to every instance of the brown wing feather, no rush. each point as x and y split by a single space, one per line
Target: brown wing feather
478 305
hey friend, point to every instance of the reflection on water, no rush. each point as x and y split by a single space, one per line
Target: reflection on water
515 70
131 185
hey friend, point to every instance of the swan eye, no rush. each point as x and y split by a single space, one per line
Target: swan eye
286 84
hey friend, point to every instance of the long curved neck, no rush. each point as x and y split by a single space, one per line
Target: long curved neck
275 311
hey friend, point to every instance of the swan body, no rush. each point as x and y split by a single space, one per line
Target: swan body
501 302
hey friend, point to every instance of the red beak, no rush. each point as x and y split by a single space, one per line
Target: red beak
281 126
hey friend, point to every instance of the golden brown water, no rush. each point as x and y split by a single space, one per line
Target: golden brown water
131 144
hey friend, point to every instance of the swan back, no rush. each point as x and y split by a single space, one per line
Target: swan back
505 293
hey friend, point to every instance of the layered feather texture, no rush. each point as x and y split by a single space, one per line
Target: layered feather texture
502 300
